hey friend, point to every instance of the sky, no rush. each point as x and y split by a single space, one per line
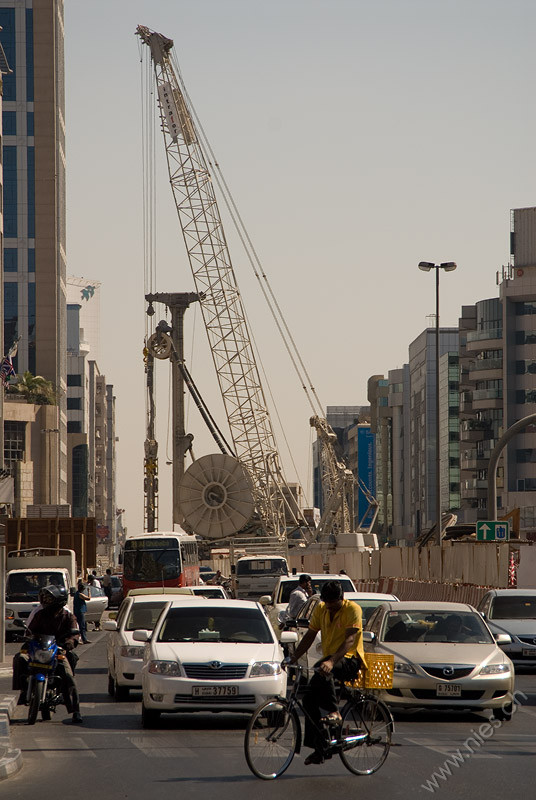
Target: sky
357 139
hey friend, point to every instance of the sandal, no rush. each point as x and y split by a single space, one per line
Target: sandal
314 758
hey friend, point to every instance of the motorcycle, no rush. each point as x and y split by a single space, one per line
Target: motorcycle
44 687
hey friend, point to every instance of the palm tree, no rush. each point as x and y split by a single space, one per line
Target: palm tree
35 389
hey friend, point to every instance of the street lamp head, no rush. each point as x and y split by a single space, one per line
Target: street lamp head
426 266
448 266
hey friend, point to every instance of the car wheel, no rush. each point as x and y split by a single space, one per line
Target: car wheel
149 717
505 713
121 693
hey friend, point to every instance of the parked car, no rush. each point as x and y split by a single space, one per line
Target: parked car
210 656
117 591
513 612
276 603
140 610
96 605
445 657
367 601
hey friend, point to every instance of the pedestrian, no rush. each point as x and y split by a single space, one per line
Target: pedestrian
96 581
298 598
79 609
107 586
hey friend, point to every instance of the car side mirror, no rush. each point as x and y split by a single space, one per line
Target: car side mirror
265 600
109 625
141 636
368 637
502 638
289 637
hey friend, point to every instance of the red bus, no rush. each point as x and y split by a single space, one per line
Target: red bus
160 559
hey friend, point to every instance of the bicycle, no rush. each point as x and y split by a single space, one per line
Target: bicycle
362 740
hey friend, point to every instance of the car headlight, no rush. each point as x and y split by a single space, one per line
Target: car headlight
261 669
495 669
132 652
10 614
402 667
164 668
43 656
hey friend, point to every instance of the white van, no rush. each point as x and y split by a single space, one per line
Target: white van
257 575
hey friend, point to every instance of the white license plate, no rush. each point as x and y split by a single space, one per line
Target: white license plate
530 653
448 690
214 691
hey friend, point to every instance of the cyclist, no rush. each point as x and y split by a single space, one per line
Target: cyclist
340 624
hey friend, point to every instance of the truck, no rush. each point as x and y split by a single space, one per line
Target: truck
27 572
258 574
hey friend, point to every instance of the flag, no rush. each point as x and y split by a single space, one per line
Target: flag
6 370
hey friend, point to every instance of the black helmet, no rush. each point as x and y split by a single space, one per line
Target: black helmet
58 594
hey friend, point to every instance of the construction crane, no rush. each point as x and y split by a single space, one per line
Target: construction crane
224 318
223 314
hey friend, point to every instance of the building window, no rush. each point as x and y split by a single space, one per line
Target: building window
74 427
11 313
14 443
30 123
10 259
525 366
7 37
525 337
31 260
10 190
74 403
74 380
29 56
9 123
30 163
522 309
525 396
525 455
31 329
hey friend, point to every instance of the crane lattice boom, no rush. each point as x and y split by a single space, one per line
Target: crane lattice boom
215 282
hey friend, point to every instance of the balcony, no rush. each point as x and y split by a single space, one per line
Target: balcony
477 340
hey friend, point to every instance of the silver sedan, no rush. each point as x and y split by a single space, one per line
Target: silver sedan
445 657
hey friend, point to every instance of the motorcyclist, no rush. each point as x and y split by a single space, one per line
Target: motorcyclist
53 619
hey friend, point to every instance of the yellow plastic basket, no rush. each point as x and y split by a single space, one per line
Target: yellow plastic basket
377 675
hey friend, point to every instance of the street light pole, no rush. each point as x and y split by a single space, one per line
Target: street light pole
448 266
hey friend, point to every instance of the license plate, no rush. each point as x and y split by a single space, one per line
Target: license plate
529 653
214 691
448 690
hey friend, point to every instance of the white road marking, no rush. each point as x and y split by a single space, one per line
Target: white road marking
161 747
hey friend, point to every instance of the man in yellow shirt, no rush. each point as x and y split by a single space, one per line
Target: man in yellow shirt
340 623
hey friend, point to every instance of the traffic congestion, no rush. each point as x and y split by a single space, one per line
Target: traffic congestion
173 667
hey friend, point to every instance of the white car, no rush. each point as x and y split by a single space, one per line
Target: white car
367 601
445 657
276 604
513 612
139 610
96 605
219 655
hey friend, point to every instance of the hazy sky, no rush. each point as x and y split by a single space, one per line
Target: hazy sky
358 138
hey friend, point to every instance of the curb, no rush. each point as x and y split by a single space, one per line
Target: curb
10 760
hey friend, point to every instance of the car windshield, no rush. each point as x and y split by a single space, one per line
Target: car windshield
144 615
288 586
213 624
520 607
24 586
208 591
367 607
423 625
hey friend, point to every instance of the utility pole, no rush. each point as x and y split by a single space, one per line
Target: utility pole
177 303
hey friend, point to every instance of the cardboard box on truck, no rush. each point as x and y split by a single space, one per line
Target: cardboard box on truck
73 533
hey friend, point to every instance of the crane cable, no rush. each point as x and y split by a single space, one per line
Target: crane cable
254 260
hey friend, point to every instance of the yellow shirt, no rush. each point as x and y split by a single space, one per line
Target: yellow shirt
334 631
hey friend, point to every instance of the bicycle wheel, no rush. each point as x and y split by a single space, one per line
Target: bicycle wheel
370 717
271 739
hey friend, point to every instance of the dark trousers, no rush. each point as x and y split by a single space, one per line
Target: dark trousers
63 671
321 695
81 619
108 593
